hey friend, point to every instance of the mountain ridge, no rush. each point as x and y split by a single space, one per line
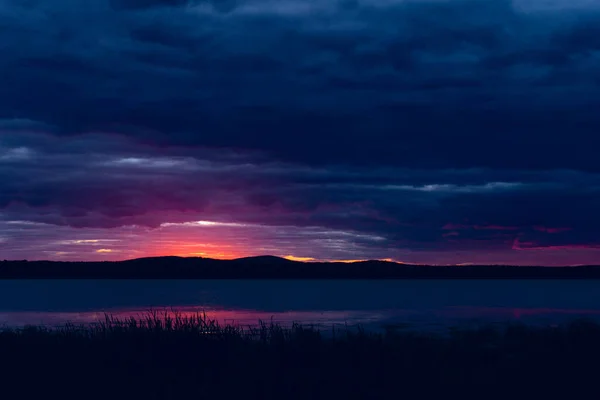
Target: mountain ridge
273 267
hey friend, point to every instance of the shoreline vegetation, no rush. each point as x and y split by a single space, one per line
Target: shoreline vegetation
170 356
269 267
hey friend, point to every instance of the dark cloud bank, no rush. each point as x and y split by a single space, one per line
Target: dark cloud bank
452 128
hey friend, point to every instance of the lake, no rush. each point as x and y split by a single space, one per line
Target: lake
416 304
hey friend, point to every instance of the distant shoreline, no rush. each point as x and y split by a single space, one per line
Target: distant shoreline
269 267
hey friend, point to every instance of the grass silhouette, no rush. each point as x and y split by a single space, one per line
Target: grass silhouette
171 356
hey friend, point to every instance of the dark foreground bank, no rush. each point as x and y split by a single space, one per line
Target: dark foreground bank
185 358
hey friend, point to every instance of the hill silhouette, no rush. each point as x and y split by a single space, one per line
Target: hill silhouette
271 267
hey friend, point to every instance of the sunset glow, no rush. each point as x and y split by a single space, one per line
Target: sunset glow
328 133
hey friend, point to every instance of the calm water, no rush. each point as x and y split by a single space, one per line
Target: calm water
421 304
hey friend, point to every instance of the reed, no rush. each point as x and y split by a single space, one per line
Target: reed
168 355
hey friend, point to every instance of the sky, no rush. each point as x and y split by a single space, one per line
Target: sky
421 131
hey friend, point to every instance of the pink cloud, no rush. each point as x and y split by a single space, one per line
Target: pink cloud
449 234
529 245
451 226
550 230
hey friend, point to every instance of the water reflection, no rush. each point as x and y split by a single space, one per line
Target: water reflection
421 304
239 317
438 318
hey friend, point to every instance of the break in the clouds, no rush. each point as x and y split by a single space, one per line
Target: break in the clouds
442 131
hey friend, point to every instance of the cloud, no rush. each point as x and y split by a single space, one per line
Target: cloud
435 126
382 209
143 4
433 83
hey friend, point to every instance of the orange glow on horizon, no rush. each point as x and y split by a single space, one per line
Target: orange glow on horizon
302 259
346 261
193 249
362 260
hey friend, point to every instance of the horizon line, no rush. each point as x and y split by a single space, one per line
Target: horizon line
307 260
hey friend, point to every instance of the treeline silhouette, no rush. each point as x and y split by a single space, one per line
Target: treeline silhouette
192 357
269 267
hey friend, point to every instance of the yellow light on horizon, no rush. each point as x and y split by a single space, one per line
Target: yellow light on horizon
303 259
361 260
